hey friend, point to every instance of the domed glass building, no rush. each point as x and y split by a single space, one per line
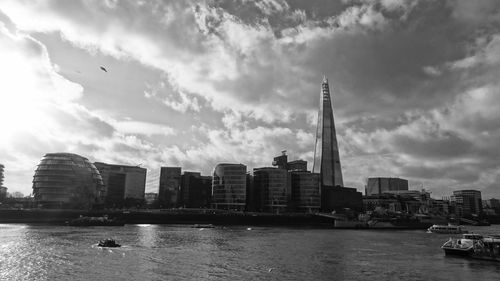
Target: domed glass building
66 180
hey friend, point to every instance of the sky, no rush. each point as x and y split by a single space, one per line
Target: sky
414 84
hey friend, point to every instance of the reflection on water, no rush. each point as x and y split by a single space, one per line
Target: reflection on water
165 252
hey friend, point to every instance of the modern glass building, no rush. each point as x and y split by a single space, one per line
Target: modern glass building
67 180
196 190
334 196
229 187
305 191
326 151
273 186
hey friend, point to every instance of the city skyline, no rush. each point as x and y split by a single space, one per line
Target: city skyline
193 84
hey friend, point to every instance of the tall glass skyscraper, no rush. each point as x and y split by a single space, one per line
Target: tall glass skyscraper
326 151
334 196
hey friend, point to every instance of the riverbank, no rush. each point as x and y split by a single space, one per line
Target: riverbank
180 216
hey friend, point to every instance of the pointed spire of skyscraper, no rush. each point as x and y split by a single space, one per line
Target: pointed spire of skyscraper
326 152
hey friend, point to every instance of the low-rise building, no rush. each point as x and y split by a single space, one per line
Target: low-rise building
381 185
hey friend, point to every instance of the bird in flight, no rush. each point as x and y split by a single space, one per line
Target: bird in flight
103 69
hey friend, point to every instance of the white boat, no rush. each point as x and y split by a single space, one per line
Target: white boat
447 229
474 246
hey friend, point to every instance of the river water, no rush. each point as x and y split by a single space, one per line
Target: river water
179 252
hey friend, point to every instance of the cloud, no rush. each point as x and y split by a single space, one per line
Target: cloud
137 127
414 83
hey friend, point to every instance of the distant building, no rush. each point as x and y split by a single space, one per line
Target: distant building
67 180
492 203
377 186
229 186
124 185
3 189
196 190
1 174
468 202
3 193
273 186
150 197
305 191
439 207
338 198
170 187
389 202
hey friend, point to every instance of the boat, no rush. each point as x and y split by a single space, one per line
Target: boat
349 224
95 221
447 229
474 246
209 225
110 243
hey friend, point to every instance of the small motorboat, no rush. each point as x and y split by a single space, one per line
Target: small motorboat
111 243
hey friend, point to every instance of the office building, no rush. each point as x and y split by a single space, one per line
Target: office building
468 202
229 187
377 186
66 180
492 203
124 185
196 190
170 187
305 191
273 189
